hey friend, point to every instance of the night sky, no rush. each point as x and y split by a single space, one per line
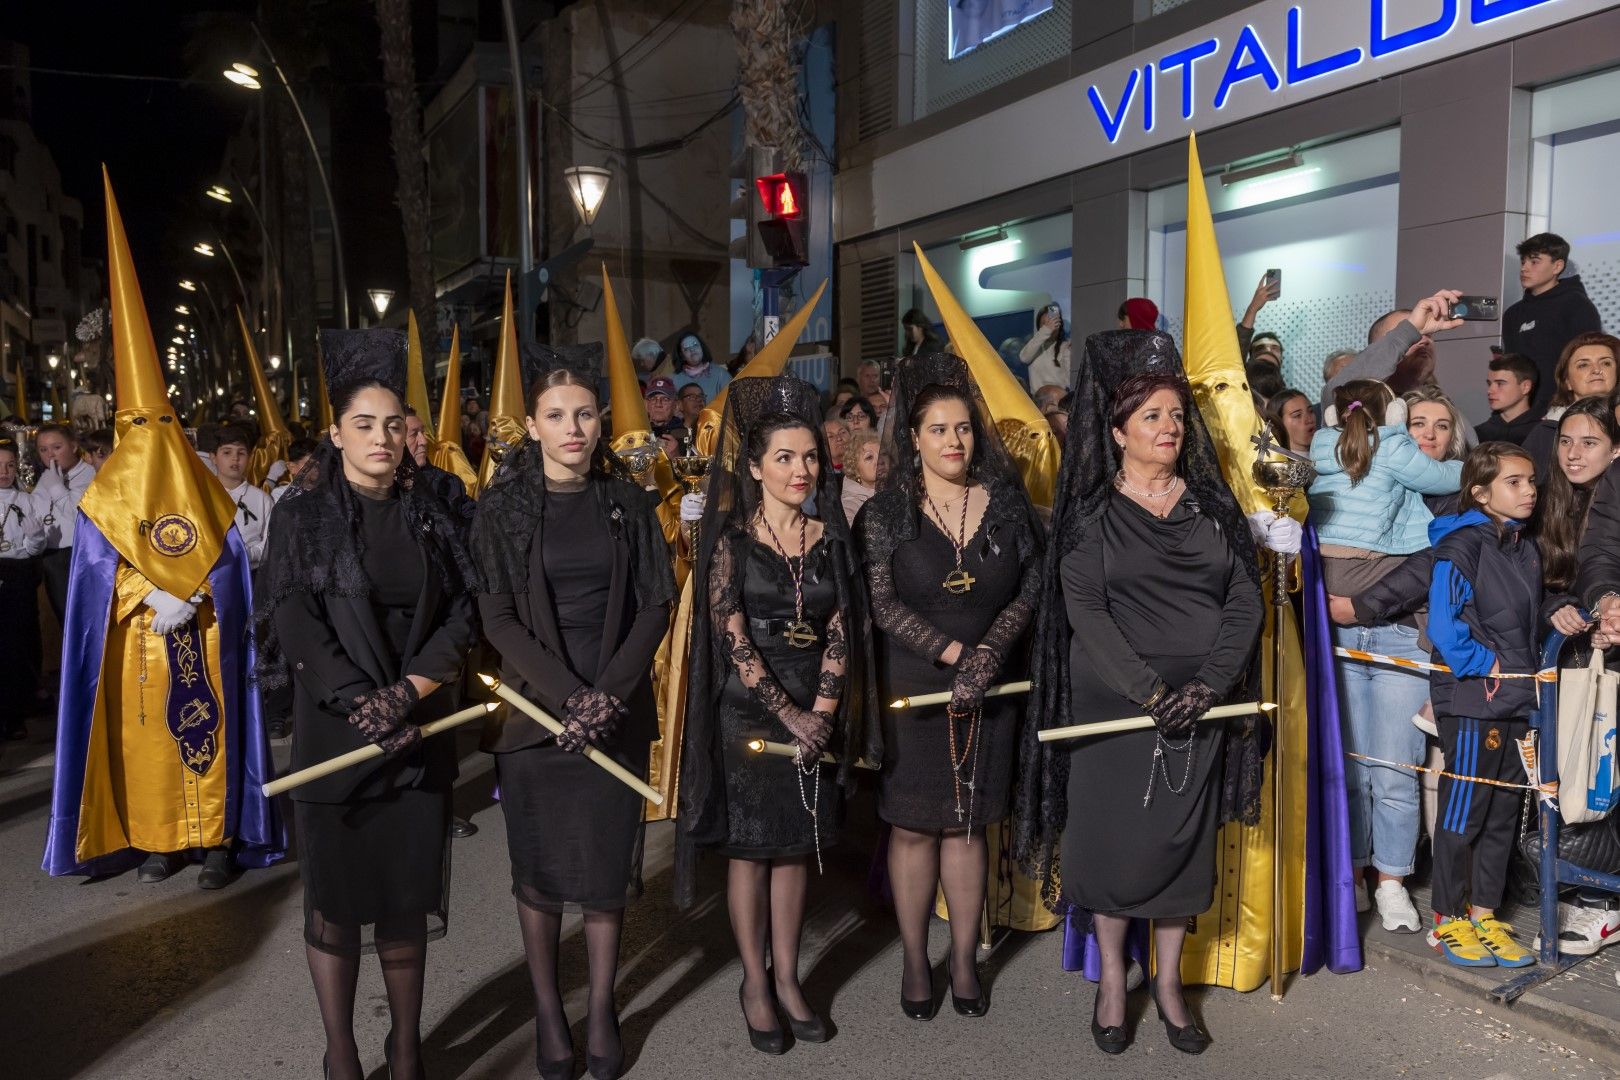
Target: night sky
161 135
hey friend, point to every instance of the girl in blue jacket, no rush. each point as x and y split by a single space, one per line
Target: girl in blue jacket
1485 604
1367 506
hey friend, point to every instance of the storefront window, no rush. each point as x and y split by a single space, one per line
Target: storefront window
1576 131
974 22
1328 223
1004 277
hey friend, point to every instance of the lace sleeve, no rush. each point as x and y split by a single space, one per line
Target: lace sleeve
1015 617
834 662
731 629
894 618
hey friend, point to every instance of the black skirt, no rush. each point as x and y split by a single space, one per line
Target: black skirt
381 863
573 830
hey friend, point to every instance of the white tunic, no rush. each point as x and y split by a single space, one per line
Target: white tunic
252 520
57 498
22 533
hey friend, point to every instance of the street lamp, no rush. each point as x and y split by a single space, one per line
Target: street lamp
380 299
275 363
181 309
219 192
188 285
587 187
203 249
53 360
242 75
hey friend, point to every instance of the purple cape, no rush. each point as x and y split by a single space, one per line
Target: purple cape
251 820
1331 935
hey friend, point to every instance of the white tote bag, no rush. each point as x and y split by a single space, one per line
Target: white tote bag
1586 741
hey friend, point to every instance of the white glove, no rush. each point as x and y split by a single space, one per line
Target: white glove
692 506
1281 534
168 612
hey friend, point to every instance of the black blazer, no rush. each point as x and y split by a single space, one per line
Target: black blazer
336 651
523 629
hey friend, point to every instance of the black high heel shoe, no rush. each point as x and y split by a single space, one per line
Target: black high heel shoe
1190 1039
973 1006
813 1030
1110 1040
919 1010
610 1067
561 1069
768 1041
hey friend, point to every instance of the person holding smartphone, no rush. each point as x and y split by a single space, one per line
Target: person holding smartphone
1047 351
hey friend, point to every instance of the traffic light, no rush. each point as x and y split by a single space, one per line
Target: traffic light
782 196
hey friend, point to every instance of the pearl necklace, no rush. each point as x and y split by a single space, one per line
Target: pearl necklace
1119 479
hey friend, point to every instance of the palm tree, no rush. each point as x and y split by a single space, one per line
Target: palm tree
410 163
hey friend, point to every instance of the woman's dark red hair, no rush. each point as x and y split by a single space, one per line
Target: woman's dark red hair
1138 388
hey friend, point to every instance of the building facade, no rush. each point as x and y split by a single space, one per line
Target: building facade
1373 151
42 283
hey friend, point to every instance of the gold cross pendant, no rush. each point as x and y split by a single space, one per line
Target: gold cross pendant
800 634
958 582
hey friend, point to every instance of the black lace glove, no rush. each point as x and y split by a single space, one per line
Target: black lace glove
1177 712
381 715
593 719
973 674
811 730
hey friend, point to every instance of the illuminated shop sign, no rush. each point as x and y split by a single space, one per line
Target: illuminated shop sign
1267 56
1177 79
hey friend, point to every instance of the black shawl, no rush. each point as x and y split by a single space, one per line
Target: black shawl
1091 459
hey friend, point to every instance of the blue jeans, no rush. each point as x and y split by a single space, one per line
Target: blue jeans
1376 705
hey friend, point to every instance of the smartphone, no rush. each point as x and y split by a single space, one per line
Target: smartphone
1274 283
1475 309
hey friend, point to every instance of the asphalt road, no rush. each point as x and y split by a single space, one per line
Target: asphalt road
116 979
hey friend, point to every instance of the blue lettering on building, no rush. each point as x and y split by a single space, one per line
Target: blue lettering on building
1112 123
1298 70
1407 39
1185 59
1249 59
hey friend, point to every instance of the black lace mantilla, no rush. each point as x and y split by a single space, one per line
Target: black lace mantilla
894 515
1091 460
732 499
513 510
316 548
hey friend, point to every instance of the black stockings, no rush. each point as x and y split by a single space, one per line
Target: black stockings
542 931
334 967
1168 937
920 863
766 900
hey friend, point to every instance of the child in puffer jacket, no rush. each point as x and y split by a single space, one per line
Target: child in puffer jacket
1367 506
1485 619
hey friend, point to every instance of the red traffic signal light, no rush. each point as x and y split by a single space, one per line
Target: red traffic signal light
783 194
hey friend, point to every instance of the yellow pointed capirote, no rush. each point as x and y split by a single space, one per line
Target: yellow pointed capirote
153 499
416 391
1026 432
771 360
1231 944
444 449
323 402
506 409
274 435
625 401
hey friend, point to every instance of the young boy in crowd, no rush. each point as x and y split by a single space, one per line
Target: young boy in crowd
1510 390
1553 310
1484 620
231 452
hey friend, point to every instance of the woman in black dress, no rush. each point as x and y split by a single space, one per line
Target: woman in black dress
364 605
952 552
576 589
1153 607
771 659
